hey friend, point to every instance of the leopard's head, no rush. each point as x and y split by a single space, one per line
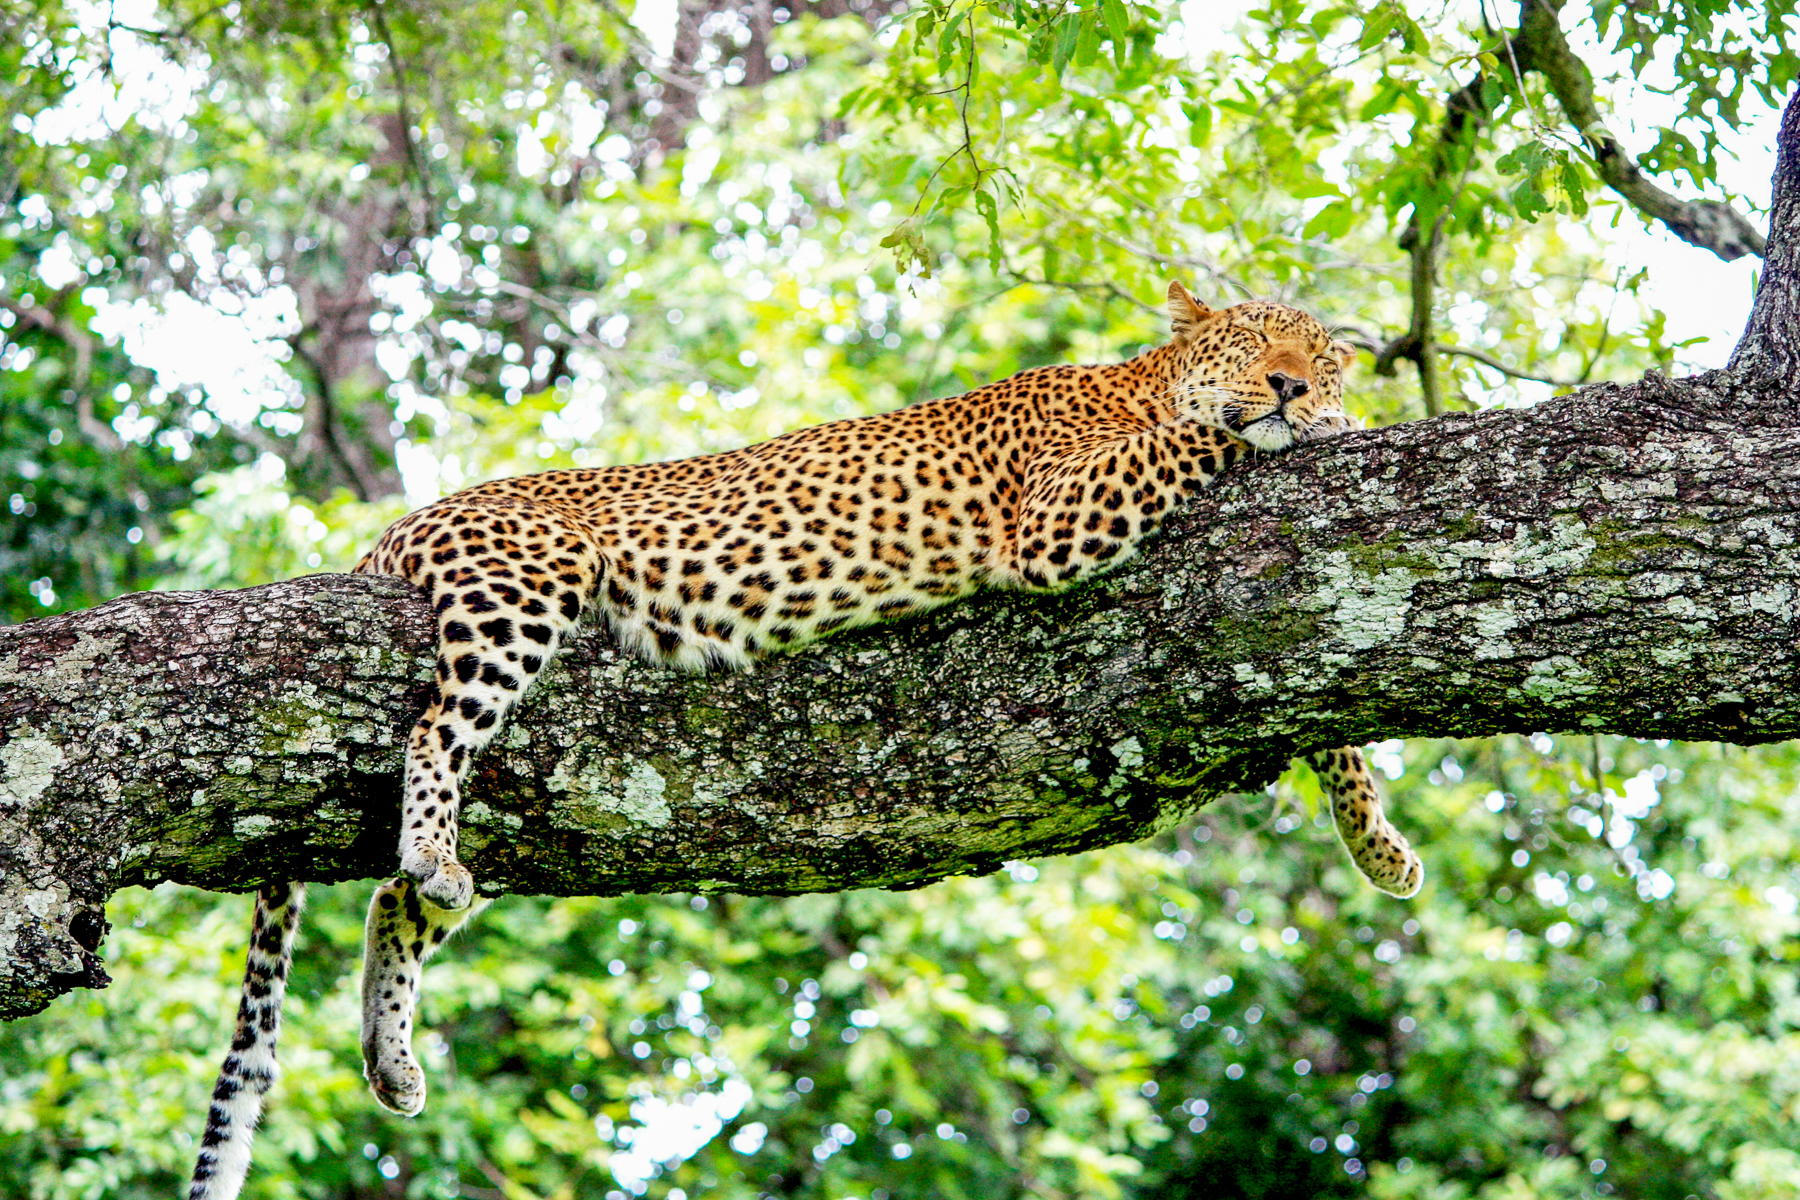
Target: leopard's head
1264 372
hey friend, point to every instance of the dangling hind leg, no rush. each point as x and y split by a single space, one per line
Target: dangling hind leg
1380 851
402 932
508 579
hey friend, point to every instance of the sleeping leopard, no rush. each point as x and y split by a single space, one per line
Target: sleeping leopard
1037 482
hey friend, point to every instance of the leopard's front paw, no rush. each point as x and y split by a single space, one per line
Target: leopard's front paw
395 1080
441 879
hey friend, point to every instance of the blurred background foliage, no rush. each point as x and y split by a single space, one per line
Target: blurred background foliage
271 273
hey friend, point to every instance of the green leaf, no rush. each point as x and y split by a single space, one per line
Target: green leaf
1201 121
950 199
1528 158
1574 185
948 45
1087 46
1411 36
1118 25
1307 188
989 208
1376 26
1385 100
1529 202
1068 32
1332 221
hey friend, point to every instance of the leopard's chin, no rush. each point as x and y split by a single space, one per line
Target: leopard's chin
1271 433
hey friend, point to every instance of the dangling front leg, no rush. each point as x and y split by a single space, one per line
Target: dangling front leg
402 932
437 761
1380 851
483 669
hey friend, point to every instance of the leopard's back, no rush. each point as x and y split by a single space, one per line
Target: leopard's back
718 559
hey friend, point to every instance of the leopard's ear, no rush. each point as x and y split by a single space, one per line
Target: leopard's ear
1345 352
1185 312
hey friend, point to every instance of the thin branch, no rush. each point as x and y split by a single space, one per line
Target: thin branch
365 487
967 146
414 158
1110 290
1488 360
1512 57
1387 349
81 343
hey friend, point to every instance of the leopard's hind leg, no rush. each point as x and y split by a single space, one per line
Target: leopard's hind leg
508 579
1380 851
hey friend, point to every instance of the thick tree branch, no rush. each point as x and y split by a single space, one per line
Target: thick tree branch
1465 113
1539 45
1768 355
1627 560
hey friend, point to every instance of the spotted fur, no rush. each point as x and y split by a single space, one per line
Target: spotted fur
1037 482
1379 850
250 1067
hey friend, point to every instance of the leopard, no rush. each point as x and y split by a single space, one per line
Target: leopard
1036 482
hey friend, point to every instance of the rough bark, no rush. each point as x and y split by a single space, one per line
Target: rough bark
1627 560
1767 357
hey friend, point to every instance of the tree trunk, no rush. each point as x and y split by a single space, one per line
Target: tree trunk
1623 560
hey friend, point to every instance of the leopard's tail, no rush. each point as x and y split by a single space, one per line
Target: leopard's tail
249 1069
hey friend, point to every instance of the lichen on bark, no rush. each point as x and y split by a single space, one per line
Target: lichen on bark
1624 559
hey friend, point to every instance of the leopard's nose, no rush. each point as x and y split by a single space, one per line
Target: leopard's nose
1287 387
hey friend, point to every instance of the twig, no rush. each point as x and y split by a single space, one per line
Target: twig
398 68
1490 361
1388 349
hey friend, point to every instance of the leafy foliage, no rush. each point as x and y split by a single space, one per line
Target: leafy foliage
424 247
1594 995
377 216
